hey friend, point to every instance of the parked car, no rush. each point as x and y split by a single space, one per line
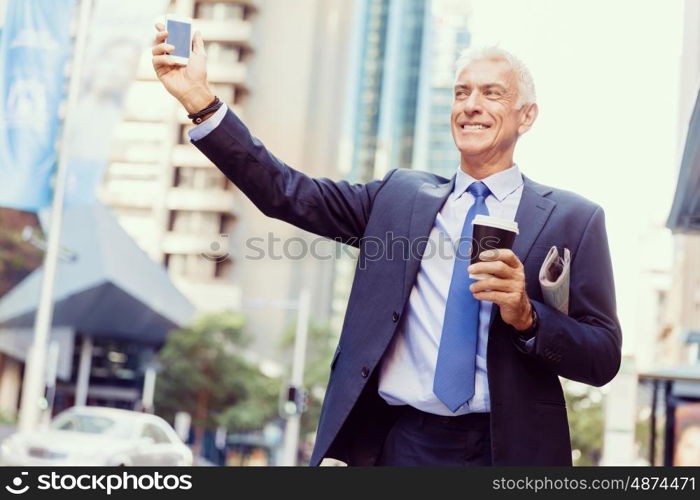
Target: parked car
88 435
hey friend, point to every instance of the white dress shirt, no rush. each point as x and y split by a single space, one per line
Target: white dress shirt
408 367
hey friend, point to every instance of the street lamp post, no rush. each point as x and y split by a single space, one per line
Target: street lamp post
34 373
291 432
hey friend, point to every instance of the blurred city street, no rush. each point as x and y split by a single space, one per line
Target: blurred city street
151 314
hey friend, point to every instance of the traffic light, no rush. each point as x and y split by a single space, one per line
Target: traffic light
293 401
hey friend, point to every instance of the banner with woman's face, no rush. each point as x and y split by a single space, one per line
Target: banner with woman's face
687 435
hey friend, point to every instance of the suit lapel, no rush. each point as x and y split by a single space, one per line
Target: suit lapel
532 215
428 201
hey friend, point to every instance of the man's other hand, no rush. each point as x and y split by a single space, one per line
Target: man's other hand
505 287
188 84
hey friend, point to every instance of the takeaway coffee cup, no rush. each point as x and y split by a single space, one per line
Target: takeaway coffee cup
491 233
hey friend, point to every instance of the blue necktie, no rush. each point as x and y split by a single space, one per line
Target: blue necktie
456 362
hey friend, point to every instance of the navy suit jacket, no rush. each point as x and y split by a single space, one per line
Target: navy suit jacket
528 413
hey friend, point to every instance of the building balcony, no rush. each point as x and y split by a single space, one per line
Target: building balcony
187 243
201 200
232 30
141 195
226 72
186 155
217 72
148 101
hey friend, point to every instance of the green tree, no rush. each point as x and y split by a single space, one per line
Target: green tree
205 373
18 257
586 422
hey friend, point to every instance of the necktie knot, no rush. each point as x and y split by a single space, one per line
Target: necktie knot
478 190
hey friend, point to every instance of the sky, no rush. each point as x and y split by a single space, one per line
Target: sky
607 77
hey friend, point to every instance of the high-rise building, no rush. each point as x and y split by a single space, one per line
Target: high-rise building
166 194
679 342
279 66
446 34
399 111
398 104
385 97
297 80
336 89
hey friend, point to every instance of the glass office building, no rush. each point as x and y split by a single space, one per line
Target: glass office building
399 98
399 105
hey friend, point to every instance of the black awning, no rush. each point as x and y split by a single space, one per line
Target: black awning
685 212
111 288
685 373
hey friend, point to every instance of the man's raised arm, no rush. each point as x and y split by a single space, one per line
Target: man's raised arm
337 210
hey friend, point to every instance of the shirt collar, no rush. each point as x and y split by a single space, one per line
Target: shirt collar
501 184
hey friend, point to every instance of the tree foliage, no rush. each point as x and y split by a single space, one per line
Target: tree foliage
586 422
205 373
18 258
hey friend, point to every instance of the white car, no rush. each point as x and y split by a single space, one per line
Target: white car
88 435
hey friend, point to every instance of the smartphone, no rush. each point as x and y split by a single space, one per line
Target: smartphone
179 35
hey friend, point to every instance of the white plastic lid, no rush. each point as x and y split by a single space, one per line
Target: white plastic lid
487 220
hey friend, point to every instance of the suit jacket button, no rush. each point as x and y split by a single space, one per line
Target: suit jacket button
395 317
365 372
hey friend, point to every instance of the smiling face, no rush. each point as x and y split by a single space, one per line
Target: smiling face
486 123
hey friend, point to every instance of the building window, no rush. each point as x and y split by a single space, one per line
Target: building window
223 268
191 266
200 178
183 136
176 264
184 177
226 222
191 222
224 52
211 179
224 91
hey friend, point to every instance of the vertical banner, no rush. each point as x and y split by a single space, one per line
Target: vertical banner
687 435
120 30
34 48
3 5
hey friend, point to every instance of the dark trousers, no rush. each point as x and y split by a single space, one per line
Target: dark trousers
423 439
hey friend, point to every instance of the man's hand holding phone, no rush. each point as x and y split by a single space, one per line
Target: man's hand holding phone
187 83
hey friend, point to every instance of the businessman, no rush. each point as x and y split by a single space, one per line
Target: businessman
433 368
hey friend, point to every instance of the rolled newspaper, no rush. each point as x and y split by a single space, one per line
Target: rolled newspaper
554 279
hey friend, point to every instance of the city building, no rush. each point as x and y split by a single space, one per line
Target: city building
113 309
167 196
279 66
669 387
446 34
297 80
399 100
680 339
399 109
